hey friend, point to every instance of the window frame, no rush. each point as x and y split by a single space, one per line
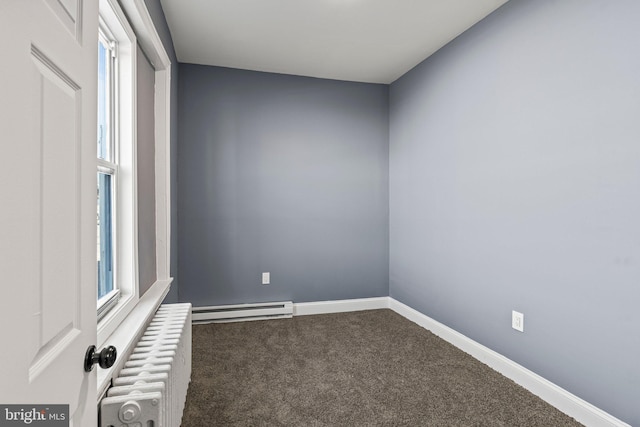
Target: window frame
115 28
109 164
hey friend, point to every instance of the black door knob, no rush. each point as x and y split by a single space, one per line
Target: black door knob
106 358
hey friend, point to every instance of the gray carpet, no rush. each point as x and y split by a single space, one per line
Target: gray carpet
365 368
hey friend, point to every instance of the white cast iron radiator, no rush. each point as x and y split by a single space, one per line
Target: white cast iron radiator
151 388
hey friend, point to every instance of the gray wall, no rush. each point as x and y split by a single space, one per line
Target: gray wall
159 21
146 172
515 185
282 174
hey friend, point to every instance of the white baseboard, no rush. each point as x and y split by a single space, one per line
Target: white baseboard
563 400
566 402
340 306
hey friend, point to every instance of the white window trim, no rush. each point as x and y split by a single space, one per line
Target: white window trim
126 232
153 48
110 166
125 332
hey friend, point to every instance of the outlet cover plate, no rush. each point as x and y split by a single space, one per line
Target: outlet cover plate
517 321
266 278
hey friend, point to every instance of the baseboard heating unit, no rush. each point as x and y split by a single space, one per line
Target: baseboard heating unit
243 312
150 390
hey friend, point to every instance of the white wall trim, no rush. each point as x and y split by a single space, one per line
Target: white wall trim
566 402
339 306
151 45
163 171
148 37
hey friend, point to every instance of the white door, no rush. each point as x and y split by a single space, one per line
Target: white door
48 89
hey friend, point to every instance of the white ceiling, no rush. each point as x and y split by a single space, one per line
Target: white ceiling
374 41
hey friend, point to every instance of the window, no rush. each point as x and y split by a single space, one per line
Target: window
108 292
116 204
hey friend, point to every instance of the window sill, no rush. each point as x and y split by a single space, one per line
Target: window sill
127 334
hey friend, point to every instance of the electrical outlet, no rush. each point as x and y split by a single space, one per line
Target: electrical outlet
517 321
266 278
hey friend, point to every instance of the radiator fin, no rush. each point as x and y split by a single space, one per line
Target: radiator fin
152 386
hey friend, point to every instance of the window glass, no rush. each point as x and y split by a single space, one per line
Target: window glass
104 133
105 235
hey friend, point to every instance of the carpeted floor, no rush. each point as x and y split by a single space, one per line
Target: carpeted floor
368 368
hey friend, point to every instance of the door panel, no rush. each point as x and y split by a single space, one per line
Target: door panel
48 91
57 118
67 12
